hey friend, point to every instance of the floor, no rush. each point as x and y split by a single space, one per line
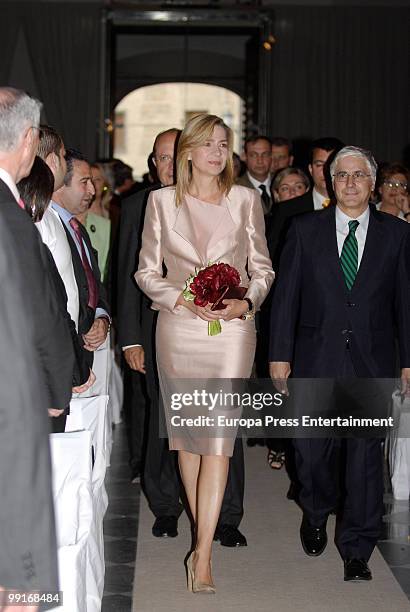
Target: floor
120 528
121 524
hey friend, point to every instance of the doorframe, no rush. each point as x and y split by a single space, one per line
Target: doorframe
254 21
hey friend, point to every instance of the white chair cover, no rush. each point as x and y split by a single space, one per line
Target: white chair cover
115 390
91 413
72 489
399 448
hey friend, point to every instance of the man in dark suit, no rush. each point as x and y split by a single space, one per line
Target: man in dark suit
258 157
73 198
341 301
36 364
136 336
315 199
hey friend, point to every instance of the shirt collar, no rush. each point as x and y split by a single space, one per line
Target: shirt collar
342 220
318 198
256 183
63 212
5 176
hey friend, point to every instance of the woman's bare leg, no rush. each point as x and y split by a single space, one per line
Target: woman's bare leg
189 465
213 474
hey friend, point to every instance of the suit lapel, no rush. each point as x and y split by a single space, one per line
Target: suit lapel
183 227
328 246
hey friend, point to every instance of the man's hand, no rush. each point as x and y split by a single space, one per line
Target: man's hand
54 412
279 372
97 334
405 382
86 385
135 357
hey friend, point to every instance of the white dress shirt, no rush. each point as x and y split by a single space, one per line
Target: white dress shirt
318 199
256 183
53 235
342 230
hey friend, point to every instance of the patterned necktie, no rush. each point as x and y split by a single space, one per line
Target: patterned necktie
349 256
91 282
266 200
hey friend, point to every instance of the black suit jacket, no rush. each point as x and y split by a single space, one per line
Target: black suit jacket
283 213
135 317
52 336
313 312
86 314
30 340
81 370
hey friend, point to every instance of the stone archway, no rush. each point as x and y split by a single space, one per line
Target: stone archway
146 111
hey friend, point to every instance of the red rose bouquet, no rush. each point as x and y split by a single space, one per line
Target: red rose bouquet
208 286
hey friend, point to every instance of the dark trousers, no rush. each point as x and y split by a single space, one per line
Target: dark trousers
357 489
57 424
232 503
134 410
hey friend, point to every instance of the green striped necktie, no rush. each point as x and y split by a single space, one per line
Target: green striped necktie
349 257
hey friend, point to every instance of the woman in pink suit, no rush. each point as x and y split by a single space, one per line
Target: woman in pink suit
204 218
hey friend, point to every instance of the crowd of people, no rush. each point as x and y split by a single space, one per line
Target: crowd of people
91 249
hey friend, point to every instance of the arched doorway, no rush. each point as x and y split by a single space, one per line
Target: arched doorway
146 111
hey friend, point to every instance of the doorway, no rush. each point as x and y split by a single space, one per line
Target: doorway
146 111
221 46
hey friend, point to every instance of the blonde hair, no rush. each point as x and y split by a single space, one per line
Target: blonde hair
195 133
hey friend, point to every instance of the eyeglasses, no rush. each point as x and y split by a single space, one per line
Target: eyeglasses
164 159
358 176
395 185
40 131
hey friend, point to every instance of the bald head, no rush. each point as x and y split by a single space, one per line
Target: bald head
164 150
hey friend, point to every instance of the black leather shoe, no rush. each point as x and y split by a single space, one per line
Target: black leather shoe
314 539
357 569
229 535
136 470
165 527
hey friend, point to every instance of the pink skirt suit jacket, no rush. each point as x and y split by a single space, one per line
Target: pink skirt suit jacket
186 238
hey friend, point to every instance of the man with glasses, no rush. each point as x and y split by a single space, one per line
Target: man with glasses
341 302
258 158
135 337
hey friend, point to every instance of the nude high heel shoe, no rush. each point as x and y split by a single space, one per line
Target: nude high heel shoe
197 587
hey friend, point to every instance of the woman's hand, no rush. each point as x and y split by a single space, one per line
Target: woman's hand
205 312
233 310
